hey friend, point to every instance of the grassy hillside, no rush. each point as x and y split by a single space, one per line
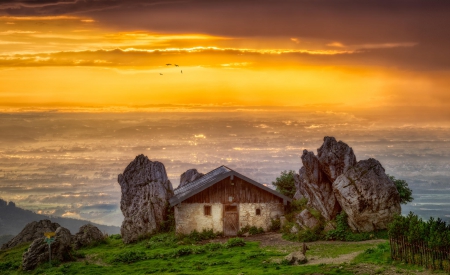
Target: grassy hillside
166 254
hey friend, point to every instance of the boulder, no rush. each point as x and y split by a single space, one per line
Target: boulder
32 231
330 225
335 157
146 191
306 220
294 229
367 195
86 235
314 185
38 252
296 257
189 176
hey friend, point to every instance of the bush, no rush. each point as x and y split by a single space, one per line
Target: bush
403 189
206 234
341 230
115 237
129 257
254 231
8 266
344 233
233 242
435 233
285 183
275 225
162 240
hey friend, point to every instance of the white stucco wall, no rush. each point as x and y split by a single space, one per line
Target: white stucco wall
190 216
247 214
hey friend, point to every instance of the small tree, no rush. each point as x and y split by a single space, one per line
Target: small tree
285 183
403 189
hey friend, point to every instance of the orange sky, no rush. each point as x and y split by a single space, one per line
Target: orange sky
72 59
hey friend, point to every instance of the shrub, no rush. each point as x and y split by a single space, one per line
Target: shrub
275 225
79 254
403 189
162 240
8 266
206 234
285 183
344 233
253 230
233 242
435 232
115 236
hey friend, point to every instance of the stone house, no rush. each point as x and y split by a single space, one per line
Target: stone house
225 201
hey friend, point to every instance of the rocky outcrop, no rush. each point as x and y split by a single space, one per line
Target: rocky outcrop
334 180
87 235
189 176
146 190
32 231
367 195
38 252
296 257
306 220
335 157
314 185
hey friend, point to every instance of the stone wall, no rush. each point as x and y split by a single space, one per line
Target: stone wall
190 216
268 211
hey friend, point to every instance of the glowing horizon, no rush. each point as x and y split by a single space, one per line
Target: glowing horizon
71 56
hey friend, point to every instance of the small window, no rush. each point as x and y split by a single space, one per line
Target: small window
258 211
207 210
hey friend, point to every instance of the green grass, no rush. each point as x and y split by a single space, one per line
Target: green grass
334 250
166 254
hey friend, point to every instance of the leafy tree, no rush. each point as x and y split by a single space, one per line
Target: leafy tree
285 183
403 189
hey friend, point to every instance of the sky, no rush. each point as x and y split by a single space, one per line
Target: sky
376 58
86 85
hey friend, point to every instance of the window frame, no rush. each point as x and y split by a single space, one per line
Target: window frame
207 210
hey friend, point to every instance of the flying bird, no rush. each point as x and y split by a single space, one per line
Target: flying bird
168 64
160 74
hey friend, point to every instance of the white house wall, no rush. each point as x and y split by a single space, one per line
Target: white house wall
190 216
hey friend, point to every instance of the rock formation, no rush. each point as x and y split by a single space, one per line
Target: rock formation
32 231
335 157
367 195
306 220
86 235
334 180
38 251
146 190
313 184
189 176
296 257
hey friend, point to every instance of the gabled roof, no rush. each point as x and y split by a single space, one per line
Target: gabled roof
211 178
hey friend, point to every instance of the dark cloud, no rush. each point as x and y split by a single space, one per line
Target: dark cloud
64 7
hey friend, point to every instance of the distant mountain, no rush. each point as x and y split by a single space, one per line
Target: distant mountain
13 219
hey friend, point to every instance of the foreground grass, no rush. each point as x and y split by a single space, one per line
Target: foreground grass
164 254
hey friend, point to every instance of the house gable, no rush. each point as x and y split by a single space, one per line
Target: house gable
242 190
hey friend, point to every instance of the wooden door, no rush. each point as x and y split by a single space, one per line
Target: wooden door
230 220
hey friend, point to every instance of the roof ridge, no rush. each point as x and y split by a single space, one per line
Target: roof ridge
199 180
